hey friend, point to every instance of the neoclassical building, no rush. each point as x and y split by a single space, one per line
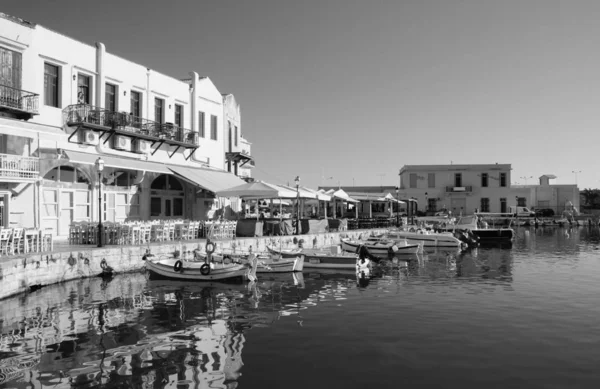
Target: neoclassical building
165 142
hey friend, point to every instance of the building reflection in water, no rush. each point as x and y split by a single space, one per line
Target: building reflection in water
136 332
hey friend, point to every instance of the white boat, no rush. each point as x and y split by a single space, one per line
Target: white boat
200 270
326 259
425 237
381 248
481 231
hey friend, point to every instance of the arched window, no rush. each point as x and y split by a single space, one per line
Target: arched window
166 182
67 174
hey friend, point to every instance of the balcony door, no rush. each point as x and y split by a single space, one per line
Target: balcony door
66 210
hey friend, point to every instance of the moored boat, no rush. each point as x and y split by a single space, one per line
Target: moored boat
200 270
471 224
267 263
323 259
425 237
381 248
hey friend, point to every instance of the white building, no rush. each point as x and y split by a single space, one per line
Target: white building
64 103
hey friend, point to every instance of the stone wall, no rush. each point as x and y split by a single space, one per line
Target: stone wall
21 273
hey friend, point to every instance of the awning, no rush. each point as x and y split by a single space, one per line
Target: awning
117 162
212 180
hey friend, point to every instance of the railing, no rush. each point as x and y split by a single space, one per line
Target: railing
18 99
459 189
83 113
17 166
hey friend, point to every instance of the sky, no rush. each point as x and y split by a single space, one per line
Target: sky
346 92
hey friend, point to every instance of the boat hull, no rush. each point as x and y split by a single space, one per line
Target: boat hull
191 270
329 261
280 265
426 239
381 250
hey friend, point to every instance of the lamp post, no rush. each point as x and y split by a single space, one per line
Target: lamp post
100 168
297 181
397 208
576 172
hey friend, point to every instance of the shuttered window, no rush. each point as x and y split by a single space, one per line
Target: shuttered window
213 127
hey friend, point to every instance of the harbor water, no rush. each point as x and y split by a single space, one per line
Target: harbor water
520 315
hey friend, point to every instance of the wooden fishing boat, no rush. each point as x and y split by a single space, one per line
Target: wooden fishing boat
286 253
202 270
381 248
267 263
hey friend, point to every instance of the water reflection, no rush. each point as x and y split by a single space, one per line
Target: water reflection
132 331
137 332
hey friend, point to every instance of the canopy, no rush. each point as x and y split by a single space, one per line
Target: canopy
302 193
389 197
257 189
340 194
319 193
116 162
213 180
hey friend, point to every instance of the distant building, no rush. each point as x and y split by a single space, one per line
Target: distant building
548 196
237 149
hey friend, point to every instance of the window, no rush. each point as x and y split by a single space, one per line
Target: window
155 206
159 110
458 180
136 104
432 204
201 124
51 85
83 89
521 202
10 68
413 180
485 205
431 180
213 127
503 205
110 97
484 183
66 174
503 179
178 115
236 135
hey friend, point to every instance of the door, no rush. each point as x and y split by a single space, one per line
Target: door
459 207
67 211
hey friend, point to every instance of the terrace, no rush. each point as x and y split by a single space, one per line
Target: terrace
18 103
84 116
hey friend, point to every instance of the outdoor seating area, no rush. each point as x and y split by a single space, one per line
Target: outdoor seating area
25 240
143 232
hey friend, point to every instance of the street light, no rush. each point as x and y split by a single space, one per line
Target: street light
100 168
576 171
297 181
525 178
397 208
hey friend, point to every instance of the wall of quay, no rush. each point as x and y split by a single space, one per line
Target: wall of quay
25 272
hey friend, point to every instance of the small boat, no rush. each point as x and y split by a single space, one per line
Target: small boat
427 238
267 263
202 270
381 248
483 233
325 259
286 253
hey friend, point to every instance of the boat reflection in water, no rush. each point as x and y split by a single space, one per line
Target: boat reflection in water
136 332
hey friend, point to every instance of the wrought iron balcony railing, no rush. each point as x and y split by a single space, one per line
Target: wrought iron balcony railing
18 99
20 167
82 114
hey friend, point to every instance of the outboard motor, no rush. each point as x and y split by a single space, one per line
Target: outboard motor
467 237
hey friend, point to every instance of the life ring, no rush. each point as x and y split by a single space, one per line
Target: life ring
103 264
210 248
178 266
205 269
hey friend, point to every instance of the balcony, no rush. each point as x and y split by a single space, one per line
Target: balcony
18 103
459 189
85 116
18 168
243 158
